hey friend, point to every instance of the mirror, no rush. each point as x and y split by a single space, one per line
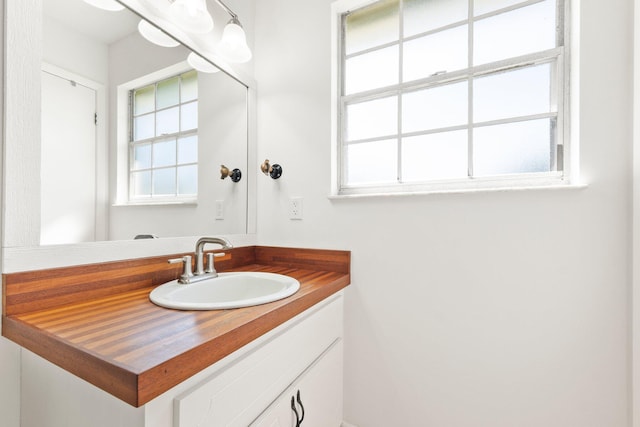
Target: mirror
93 61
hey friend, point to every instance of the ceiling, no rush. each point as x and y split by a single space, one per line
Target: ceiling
98 24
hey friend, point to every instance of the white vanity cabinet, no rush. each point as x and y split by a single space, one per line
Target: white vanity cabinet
252 386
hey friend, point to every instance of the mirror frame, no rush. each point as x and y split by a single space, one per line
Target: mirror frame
21 191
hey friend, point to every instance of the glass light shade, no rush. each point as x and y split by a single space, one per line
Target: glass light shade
233 45
110 5
201 64
155 35
192 15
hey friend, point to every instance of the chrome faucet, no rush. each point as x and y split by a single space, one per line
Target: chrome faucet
200 273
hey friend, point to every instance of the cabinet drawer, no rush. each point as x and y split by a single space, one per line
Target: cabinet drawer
236 395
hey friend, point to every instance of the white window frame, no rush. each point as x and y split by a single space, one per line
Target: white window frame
156 139
123 135
561 55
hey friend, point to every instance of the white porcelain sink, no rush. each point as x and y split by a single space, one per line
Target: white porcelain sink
228 290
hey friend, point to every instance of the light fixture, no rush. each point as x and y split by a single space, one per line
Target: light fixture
201 64
155 35
233 45
110 5
192 15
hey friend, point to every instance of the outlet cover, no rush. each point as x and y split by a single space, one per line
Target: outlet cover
219 209
295 208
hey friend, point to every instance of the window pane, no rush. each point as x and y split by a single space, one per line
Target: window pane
143 127
372 26
372 70
164 153
188 149
526 30
144 100
141 182
164 182
425 15
167 121
142 156
189 90
435 156
176 98
443 51
372 162
168 92
512 94
438 107
187 180
372 119
481 7
189 116
523 147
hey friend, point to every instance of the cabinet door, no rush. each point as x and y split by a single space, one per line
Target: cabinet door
320 388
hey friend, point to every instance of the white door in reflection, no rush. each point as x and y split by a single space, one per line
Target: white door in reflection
68 170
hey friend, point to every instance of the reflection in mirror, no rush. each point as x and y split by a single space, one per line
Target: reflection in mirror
132 136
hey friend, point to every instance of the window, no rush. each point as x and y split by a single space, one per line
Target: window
439 94
163 147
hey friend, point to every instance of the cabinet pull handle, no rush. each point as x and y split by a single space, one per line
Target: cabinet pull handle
295 411
301 407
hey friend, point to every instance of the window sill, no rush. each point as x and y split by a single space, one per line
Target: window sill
186 202
506 189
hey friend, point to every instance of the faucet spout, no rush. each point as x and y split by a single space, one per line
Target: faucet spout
199 269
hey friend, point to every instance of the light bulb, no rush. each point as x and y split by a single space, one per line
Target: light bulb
110 5
192 15
201 64
233 45
155 35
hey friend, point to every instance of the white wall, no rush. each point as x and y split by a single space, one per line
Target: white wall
73 51
486 309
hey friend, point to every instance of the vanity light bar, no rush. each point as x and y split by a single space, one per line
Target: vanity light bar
227 9
192 16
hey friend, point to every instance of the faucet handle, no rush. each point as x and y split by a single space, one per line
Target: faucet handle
186 271
210 266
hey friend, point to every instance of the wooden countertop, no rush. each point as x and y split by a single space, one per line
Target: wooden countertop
135 350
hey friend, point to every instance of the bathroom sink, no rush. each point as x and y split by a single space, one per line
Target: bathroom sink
228 290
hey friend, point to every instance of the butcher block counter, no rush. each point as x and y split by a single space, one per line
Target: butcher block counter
97 322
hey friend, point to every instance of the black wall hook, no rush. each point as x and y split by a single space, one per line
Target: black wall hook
274 171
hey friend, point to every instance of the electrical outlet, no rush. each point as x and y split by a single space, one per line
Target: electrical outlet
295 208
219 209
